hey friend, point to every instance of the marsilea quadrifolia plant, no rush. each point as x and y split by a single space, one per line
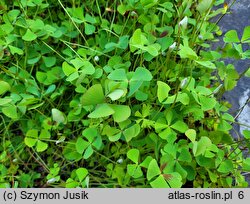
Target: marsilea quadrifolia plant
118 94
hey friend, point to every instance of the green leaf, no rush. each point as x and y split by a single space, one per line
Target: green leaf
50 89
191 134
41 76
70 183
165 42
4 87
122 112
77 62
29 36
4 101
70 153
118 74
231 37
213 176
122 9
246 165
97 143
81 145
142 74
199 148
58 116
159 182
204 5
81 173
49 61
30 142
185 155
138 40
102 110
175 180
67 69
89 29
123 42
133 155
228 117
183 98
246 34
226 166
32 133
179 169
45 134
207 103
88 68
116 94
94 95
90 19
146 162
162 91
133 87
88 152
206 64
73 77
41 146
187 52
148 3
246 134
90 134
10 111
153 170
153 49
15 50
131 132
31 137
134 170
247 74
179 126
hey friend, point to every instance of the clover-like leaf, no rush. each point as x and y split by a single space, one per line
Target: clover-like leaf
94 95
142 74
31 137
116 94
68 69
200 147
4 87
226 166
162 91
58 116
121 112
133 155
231 37
131 132
153 170
81 173
102 110
134 170
191 134
10 111
246 35
29 35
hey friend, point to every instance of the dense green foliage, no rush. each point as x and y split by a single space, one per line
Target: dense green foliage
118 94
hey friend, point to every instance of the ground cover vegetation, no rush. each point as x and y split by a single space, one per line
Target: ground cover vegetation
118 94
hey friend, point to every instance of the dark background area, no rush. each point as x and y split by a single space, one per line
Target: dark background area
238 18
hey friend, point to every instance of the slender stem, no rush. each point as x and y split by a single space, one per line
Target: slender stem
73 22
